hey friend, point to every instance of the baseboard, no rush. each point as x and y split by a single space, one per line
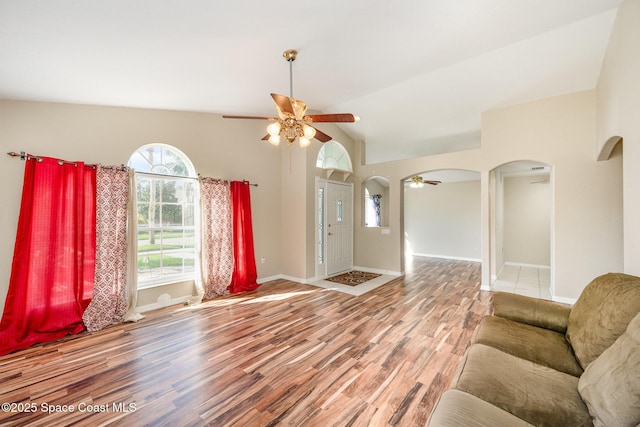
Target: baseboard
521 264
285 277
297 279
455 258
269 279
564 300
157 305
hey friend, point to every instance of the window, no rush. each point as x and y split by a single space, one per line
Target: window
321 226
333 155
370 217
376 207
166 186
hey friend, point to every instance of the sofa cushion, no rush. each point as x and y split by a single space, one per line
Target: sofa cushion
601 314
539 345
532 311
456 408
610 386
537 394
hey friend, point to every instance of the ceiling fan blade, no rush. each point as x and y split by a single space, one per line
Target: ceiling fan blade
321 136
327 118
266 137
283 103
249 117
432 182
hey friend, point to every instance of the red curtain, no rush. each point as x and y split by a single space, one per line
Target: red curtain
52 273
244 269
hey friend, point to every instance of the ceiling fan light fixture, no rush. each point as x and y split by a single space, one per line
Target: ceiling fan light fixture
292 121
274 140
308 131
304 142
416 182
274 129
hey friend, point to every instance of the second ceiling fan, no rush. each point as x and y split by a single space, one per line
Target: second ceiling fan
293 121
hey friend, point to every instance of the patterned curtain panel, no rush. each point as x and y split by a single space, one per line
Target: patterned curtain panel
111 291
217 244
376 206
132 256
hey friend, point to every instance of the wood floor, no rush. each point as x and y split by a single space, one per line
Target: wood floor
286 354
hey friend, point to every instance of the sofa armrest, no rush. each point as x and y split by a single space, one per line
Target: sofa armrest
533 311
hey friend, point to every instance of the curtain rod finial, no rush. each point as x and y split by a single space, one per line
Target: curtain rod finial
22 154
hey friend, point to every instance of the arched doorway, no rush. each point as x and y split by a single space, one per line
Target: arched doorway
521 238
443 220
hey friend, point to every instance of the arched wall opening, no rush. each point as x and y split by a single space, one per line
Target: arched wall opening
607 149
375 203
442 220
522 228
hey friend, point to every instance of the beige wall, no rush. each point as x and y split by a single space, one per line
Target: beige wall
587 205
282 204
587 221
586 202
527 215
228 149
619 115
443 220
298 206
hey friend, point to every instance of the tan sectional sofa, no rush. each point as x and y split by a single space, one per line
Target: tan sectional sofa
535 362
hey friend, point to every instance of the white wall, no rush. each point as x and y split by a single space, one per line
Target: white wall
527 215
619 115
443 220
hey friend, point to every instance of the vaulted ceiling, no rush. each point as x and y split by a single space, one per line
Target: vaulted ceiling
418 72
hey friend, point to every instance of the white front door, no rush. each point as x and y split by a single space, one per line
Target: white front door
339 227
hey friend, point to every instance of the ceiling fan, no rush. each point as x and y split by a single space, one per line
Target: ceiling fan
419 182
293 121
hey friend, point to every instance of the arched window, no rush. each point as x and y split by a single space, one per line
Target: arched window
333 155
166 185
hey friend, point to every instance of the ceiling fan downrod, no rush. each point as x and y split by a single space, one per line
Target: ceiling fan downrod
290 55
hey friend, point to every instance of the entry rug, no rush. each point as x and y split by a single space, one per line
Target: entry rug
353 278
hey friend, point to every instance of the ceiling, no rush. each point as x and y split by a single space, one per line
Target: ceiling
419 73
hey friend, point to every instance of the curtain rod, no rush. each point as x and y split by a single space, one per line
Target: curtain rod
244 181
25 156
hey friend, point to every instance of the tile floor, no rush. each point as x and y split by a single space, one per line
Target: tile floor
530 281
